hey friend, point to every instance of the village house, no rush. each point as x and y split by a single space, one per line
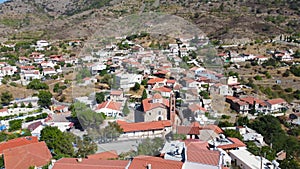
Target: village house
145 129
198 155
117 95
156 82
258 105
155 108
127 81
246 160
24 60
261 59
236 104
47 64
97 68
220 89
164 91
276 105
49 72
110 108
59 109
37 57
35 154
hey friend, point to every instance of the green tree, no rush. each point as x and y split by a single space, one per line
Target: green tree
126 110
225 124
23 105
87 117
150 147
29 105
86 146
15 125
144 82
136 87
100 97
15 105
60 143
233 133
6 98
56 88
144 95
44 98
1 162
257 77
36 84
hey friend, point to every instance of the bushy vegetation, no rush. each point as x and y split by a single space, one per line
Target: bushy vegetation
36 84
37 117
270 127
295 70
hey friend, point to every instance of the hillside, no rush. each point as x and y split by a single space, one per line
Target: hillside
229 21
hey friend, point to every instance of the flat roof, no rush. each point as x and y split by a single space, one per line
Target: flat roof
249 159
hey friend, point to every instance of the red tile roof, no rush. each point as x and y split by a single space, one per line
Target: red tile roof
110 105
148 103
251 100
104 155
155 80
17 142
276 101
157 96
34 125
203 156
72 163
198 152
187 130
163 89
3 110
235 144
144 126
36 154
116 92
141 162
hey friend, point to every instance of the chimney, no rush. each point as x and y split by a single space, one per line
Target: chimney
149 166
79 160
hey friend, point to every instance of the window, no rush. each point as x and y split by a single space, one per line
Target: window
149 114
159 119
159 112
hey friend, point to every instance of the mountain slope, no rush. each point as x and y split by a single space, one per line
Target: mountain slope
229 21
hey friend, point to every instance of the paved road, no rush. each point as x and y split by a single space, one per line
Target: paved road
123 146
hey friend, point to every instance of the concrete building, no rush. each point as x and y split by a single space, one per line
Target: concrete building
246 160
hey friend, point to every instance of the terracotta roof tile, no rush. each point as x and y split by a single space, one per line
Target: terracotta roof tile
72 163
148 103
144 126
104 155
187 130
141 162
110 105
235 144
36 154
198 152
203 156
276 101
17 142
155 80
163 89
